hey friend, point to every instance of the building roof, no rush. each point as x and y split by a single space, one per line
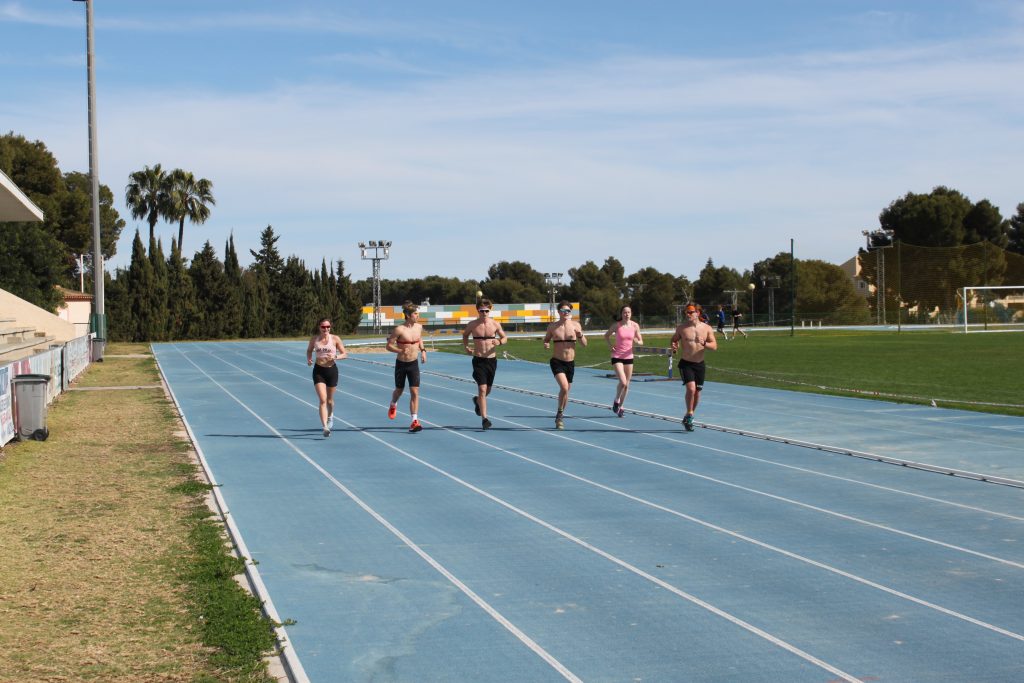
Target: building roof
14 205
74 294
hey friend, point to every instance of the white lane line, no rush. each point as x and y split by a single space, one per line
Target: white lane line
773 496
454 580
699 446
706 524
778 642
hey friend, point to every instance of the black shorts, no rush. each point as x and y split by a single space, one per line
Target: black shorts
566 367
692 372
484 369
407 369
624 361
328 376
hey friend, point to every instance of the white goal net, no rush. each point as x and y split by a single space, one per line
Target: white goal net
992 309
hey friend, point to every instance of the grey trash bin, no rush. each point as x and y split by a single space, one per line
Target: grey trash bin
30 396
99 345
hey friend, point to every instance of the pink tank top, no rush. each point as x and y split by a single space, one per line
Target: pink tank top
325 352
624 342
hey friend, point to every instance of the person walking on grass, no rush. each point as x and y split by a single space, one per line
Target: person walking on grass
406 340
487 336
626 333
561 338
691 339
328 349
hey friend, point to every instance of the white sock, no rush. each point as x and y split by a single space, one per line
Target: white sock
414 418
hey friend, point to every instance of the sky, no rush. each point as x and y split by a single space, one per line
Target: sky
660 132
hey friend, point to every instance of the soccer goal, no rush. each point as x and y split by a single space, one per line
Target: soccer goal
993 309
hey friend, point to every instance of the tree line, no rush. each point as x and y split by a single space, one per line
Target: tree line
163 296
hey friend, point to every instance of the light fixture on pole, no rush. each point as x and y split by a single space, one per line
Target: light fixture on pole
376 251
753 316
554 280
100 322
878 241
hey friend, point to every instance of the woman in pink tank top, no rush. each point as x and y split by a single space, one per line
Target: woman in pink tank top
626 333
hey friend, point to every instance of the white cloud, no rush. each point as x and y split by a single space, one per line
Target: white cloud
660 161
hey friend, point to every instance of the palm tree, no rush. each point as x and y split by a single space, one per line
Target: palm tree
189 198
146 195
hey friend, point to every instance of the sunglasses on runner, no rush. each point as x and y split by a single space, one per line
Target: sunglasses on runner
565 310
325 327
483 310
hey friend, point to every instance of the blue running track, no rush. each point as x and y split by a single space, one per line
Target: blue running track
617 549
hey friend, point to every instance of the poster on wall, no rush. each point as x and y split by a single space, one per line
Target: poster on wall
6 413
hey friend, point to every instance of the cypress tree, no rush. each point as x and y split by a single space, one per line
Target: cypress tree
158 293
116 305
139 284
182 297
326 289
255 303
233 293
348 298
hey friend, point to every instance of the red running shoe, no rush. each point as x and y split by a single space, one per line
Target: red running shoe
392 411
415 426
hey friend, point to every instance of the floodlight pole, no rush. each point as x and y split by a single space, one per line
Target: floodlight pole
753 315
376 251
553 280
94 174
874 239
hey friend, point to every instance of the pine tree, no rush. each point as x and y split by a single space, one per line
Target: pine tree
299 314
268 265
207 273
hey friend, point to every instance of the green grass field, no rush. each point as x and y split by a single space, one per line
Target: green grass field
916 367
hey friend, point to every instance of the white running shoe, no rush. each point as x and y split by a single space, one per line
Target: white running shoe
330 421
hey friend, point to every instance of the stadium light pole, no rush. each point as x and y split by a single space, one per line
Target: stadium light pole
878 241
94 173
753 316
553 280
376 251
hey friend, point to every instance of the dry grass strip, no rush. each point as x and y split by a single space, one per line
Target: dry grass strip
94 541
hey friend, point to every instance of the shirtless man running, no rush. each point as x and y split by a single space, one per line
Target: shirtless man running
407 341
696 337
561 338
487 335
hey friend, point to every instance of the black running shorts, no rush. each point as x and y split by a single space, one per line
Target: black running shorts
328 375
484 369
407 369
692 372
566 367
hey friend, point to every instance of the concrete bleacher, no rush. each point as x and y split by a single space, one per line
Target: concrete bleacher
18 341
26 329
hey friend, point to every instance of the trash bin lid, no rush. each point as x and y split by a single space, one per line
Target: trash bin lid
30 378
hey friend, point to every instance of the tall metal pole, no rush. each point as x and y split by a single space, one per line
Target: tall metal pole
94 173
376 251
792 289
553 280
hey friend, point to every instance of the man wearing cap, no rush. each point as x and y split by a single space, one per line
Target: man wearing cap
561 338
487 337
696 337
